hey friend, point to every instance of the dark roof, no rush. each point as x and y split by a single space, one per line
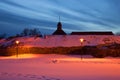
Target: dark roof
59 30
92 33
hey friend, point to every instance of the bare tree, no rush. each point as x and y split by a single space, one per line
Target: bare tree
31 32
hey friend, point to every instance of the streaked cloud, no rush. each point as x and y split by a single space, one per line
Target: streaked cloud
76 15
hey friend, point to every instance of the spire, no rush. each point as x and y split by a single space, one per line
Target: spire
59 25
59 18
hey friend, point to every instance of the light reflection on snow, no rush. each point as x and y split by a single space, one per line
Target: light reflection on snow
86 60
21 56
79 59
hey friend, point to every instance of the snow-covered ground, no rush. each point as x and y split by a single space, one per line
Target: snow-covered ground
63 40
58 67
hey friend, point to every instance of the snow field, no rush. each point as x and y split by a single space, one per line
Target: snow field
59 67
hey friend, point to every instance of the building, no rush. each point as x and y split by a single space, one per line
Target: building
93 33
59 30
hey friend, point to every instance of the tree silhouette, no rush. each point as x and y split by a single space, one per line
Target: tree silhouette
31 32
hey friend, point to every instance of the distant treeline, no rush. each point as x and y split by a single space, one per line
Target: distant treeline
25 32
95 51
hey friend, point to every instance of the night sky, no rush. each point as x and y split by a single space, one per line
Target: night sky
75 15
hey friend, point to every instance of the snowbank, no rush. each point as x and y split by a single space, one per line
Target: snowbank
65 40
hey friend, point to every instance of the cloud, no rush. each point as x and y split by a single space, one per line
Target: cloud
81 15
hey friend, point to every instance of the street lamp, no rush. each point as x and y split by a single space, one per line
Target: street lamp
81 41
17 42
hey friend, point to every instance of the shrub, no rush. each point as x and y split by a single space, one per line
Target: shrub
86 50
100 53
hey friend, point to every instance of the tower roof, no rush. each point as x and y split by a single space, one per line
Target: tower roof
59 30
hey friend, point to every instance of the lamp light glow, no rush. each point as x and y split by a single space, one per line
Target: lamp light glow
81 40
17 42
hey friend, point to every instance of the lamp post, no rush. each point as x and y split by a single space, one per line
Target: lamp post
17 42
81 41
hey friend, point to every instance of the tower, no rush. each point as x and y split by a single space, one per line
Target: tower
59 25
59 30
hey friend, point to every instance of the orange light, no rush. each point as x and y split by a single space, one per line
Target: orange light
17 42
81 40
22 56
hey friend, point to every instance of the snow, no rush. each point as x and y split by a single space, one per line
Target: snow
58 67
64 40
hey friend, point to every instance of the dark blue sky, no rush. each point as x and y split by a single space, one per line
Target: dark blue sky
76 15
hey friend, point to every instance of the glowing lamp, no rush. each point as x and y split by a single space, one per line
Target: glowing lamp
17 42
81 40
